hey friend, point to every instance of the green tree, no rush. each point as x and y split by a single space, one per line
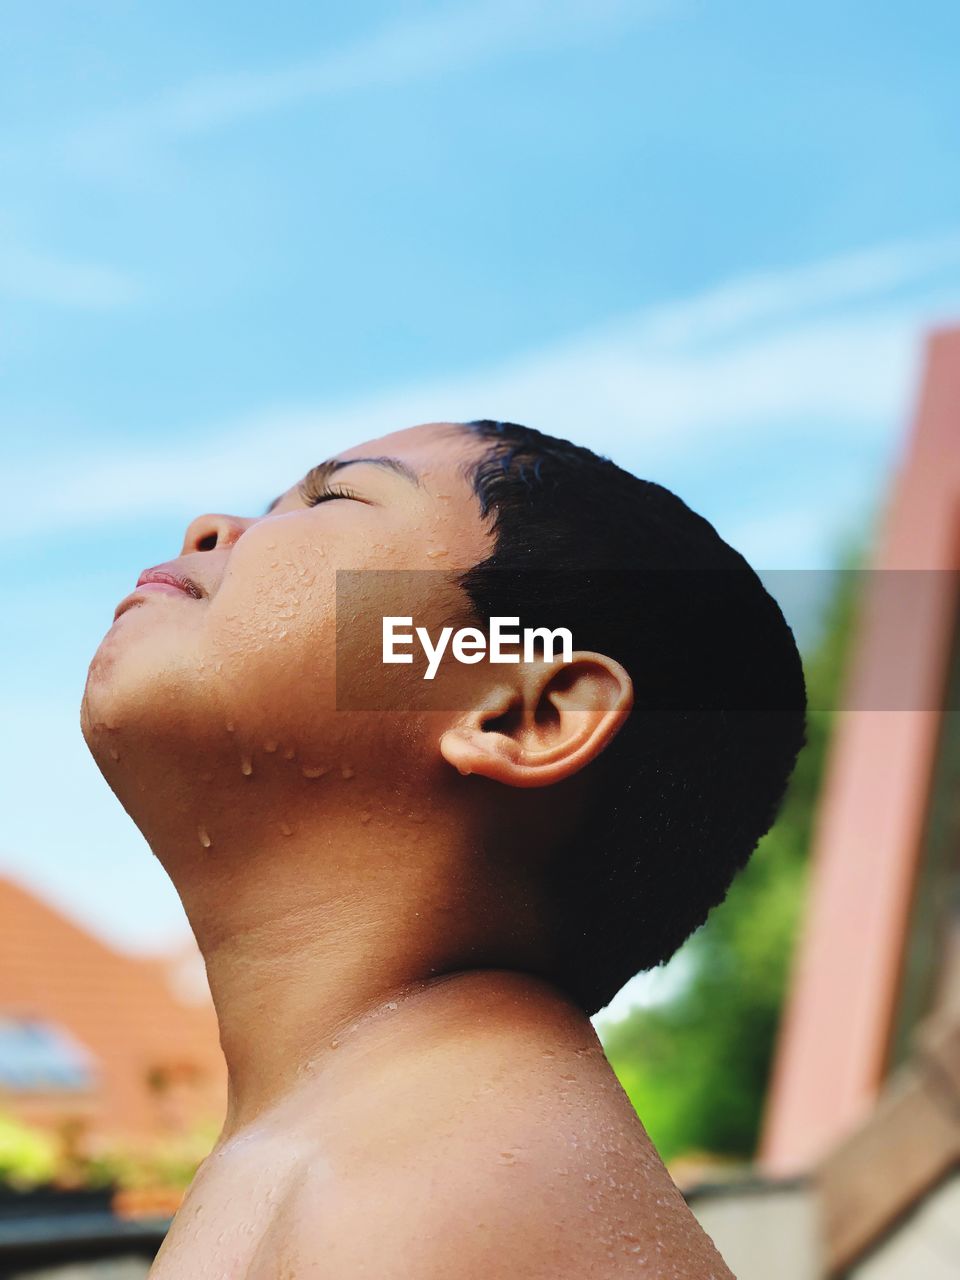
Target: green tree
696 1067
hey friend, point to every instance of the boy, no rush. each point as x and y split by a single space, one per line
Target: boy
411 894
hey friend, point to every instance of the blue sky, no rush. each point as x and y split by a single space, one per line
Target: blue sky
706 239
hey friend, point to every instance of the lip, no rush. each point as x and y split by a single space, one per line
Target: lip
160 581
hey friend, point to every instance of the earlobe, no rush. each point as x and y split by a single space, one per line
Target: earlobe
477 751
554 722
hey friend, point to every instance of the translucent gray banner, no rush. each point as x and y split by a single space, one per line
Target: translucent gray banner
703 639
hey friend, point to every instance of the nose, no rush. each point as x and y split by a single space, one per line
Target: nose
211 531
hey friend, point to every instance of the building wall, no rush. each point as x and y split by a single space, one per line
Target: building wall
923 1246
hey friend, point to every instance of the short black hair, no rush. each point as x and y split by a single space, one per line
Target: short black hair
698 772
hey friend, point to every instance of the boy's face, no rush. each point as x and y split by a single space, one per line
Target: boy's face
243 665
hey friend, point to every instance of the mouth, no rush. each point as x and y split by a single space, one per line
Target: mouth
159 582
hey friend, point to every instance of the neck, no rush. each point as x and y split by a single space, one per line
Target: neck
305 937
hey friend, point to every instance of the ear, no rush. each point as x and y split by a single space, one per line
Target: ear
544 727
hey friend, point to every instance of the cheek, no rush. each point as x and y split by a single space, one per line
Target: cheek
269 639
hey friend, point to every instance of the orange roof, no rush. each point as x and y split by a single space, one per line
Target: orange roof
137 1016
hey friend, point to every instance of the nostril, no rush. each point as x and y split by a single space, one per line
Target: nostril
207 543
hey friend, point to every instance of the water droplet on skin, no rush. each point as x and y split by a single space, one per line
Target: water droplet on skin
289 753
464 770
334 1044
271 546
346 772
270 746
436 553
507 1157
286 828
114 753
246 766
314 771
218 667
204 837
230 726
392 1004
365 817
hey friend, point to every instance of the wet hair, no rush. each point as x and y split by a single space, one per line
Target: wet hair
697 774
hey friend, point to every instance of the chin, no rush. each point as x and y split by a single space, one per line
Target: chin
136 679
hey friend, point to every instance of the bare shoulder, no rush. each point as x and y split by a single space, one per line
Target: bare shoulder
513 1157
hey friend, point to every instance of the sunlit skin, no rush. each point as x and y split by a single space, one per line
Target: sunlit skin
410 1094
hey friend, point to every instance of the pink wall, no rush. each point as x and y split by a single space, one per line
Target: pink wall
833 1042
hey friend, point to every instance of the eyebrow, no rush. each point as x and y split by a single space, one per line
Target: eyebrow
325 470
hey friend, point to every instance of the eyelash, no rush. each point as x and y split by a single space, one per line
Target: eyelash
313 496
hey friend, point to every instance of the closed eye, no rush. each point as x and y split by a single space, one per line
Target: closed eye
313 493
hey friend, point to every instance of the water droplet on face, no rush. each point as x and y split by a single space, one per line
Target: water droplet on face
271 546
314 771
392 1004
270 746
218 667
507 1157
286 828
204 837
334 1044
436 553
246 766
365 817
346 771
463 770
230 726
289 753
114 753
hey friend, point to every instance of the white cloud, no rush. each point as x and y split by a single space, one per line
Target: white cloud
446 40
736 362
41 277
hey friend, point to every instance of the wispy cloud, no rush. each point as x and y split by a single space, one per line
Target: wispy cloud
836 342
442 42
26 274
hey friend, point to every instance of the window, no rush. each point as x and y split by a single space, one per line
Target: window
37 1056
